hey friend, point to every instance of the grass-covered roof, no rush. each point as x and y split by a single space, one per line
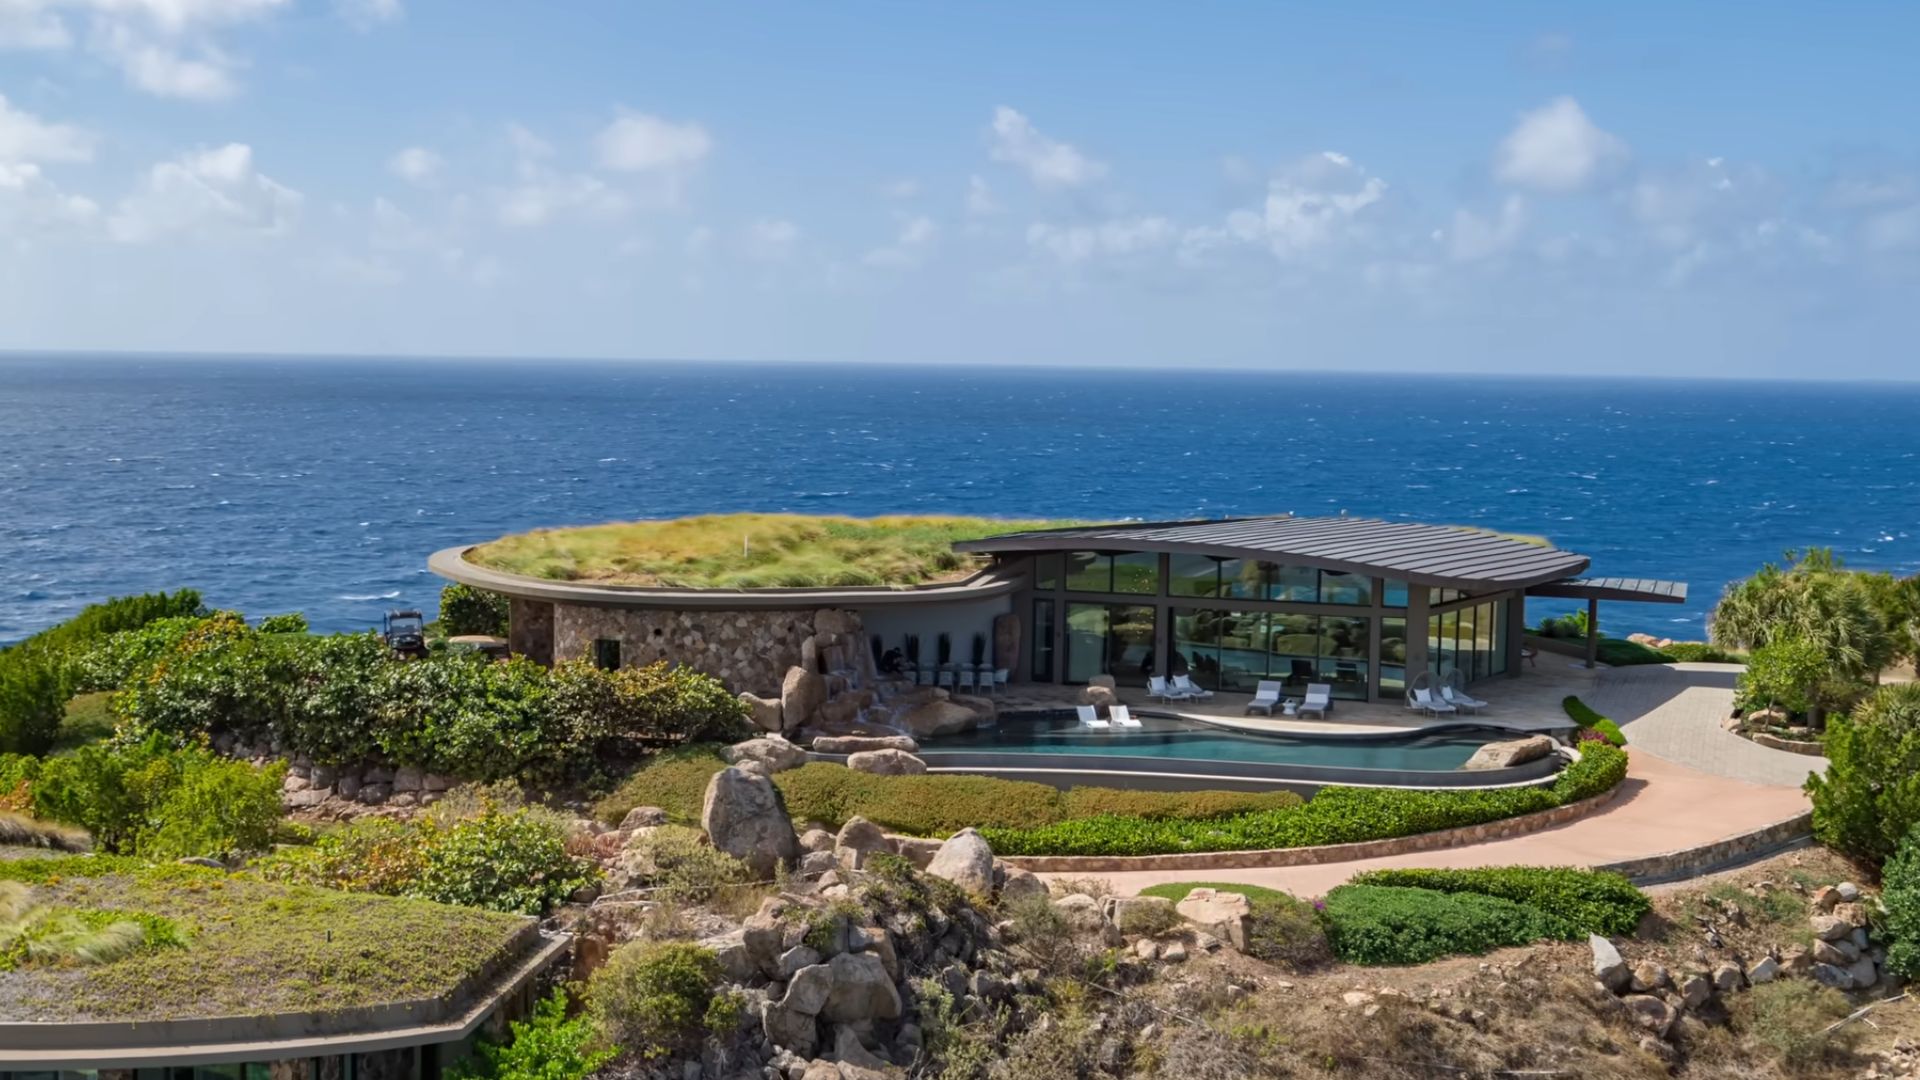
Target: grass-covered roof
751 551
233 945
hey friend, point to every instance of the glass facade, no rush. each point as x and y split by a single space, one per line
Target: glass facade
1471 641
1043 631
1223 649
1110 639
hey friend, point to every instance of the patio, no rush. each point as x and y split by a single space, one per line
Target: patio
1528 703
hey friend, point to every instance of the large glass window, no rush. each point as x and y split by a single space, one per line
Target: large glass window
1086 641
1193 575
1137 572
1297 584
1047 568
1243 655
1196 645
1499 637
1244 579
1344 646
1089 571
1469 656
1293 647
1393 656
1110 639
1042 663
1393 593
1345 588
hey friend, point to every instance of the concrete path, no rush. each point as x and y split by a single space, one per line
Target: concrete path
1674 711
1661 807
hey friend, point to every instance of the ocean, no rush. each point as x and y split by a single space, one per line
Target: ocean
321 486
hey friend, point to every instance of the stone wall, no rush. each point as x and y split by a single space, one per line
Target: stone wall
530 629
1718 855
747 650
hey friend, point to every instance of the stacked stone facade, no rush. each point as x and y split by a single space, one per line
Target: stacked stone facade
747 650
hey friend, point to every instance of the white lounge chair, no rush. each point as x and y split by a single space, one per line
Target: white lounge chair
1460 699
966 681
1089 718
1266 696
1158 690
1318 700
1183 684
1423 699
1122 716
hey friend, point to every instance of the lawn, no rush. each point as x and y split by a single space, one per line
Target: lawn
1177 891
752 551
250 947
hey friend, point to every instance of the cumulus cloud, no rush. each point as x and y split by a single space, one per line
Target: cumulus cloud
980 200
909 248
365 15
169 48
28 200
25 137
1049 163
205 193
1316 203
541 193
640 142
416 165
1473 237
1557 148
1107 239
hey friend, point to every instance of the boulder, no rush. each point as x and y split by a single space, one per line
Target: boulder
1017 884
1829 975
967 861
1100 697
1696 990
816 840
408 778
861 990
731 949
764 712
1139 914
1081 912
1824 898
793 1030
1767 970
810 655
790 964
813 864
1505 755
858 840
1863 973
1830 952
1649 976
643 817
886 763
1651 1013
1608 967
931 719
918 850
1847 891
743 817
1726 978
850 1052
855 744
843 711
772 752
1225 915
802 692
809 988
1854 915
1830 927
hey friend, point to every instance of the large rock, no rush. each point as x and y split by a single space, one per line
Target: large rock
1225 915
802 693
859 839
765 712
1505 755
1651 1013
774 753
1608 967
743 817
967 861
856 744
1017 884
861 990
942 716
1830 927
1767 970
886 763
1100 697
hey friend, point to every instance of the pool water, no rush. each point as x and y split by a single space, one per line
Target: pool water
1172 739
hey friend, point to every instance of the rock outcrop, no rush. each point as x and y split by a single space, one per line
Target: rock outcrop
967 861
1504 755
886 763
772 752
744 817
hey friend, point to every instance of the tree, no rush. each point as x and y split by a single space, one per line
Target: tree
467 610
1869 796
1791 674
1815 600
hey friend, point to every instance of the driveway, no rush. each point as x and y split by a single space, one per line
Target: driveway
1674 711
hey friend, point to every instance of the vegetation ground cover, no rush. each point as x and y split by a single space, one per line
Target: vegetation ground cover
254 947
751 551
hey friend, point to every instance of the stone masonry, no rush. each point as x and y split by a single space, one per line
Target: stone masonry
747 650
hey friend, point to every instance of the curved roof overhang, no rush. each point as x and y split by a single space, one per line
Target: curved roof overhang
1431 555
452 564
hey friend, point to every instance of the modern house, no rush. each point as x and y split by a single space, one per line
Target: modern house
1353 602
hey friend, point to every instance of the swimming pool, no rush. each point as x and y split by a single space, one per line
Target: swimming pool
1158 738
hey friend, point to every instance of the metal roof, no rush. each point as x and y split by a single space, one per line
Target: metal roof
1443 555
1645 590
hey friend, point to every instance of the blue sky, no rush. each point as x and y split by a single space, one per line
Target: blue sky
1703 189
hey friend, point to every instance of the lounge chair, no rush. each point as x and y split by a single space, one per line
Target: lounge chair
1266 696
1089 718
1122 716
1460 699
1183 684
1157 688
1318 700
1423 699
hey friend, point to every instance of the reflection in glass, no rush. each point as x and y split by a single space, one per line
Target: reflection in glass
1343 655
1193 575
1393 593
1047 568
1244 579
1042 641
1089 571
1130 656
1345 588
1243 657
1086 641
1196 645
1393 656
1137 572
1298 584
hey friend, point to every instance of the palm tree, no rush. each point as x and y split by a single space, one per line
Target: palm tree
1812 599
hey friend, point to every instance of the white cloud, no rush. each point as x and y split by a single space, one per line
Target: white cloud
1107 239
169 48
365 15
916 238
639 142
1557 148
770 240
28 200
1316 203
1472 237
542 194
208 192
1894 230
26 137
416 165
1049 163
980 200
30 26
903 188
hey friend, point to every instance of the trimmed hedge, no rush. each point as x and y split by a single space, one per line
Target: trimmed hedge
1593 901
1584 715
1383 924
1336 815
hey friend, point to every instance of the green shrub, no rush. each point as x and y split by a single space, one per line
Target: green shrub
293 622
1699 652
32 701
682 868
1592 901
1336 815
674 781
1583 715
636 709
330 686
1900 896
1283 930
467 610
1790 1017
1377 924
546 1046
153 800
1193 805
39 674
1869 797
34 933
653 997
373 854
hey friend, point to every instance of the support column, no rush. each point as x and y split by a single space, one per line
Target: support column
1516 636
1593 631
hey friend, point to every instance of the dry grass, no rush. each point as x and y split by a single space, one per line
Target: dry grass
17 830
752 551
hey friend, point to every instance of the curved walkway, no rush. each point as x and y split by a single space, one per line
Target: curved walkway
1688 783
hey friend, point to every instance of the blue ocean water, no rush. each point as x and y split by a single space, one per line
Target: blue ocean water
322 486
